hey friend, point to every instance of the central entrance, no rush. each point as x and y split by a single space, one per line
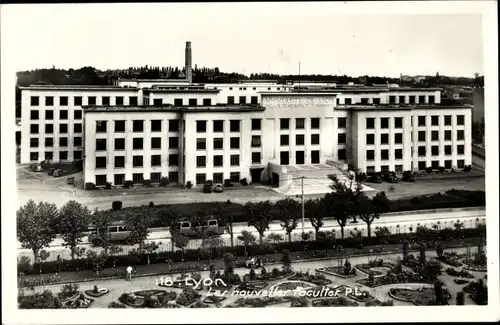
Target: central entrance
256 174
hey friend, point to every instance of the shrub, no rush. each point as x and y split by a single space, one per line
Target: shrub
108 185
117 205
128 184
467 168
151 204
90 186
428 170
441 169
189 184
164 181
207 188
244 182
96 289
227 183
146 183
24 265
115 304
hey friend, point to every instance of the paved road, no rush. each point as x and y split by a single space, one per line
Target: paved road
162 235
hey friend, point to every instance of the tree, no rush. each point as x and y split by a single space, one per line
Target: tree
113 251
422 250
138 223
199 223
180 241
73 221
79 253
439 250
338 208
213 244
315 210
366 212
460 298
349 192
97 260
275 238
382 232
406 246
36 225
440 293
259 216
228 263
149 248
327 237
100 221
247 238
381 203
286 260
43 255
172 218
226 215
289 214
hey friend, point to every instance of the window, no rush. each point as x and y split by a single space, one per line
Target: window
218 143
348 101
34 142
234 177
234 143
254 100
384 138
243 100
460 163
342 154
201 144
34 115
460 135
34 101
234 125
284 140
398 122
100 144
119 161
193 102
460 149
402 99
173 125
255 141
217 177
435 164
77 141
370 123
434 120
155 143
447 120
207 101
137 178
299 157
156 125
384 154
230 100
101 126
300 123
431 99
63 128
256 124
137 144
77 155
63 155
119 100
100 162
119 126
77 114
342 122
384 122
421 121
156 160
218 161
173 177
421 99
34 156
173 160
78 100
434 135
120 144
155 178
421 136
49 114
218 126
314 139
447 150
49 128
132 101
447 135
447 164
105 100
49 101
421 151
63 114
392 99
398 138
315 123
49 142
398 153
370 154
460 120
201 161
364 101
412 99
421 165
376 101
284 123
256 158
315 157
341 138
173 142
92 100
100 180
370 139
435 150
178 102
235 160
138 126
201 126
49 155
137 161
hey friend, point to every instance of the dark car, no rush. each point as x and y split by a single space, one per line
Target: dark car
374 179
60 172
390 178
408 177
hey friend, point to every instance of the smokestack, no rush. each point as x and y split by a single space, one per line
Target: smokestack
188 66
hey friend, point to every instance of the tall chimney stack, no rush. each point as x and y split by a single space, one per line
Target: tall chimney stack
188 66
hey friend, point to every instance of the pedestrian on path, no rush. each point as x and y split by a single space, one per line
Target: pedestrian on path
129 273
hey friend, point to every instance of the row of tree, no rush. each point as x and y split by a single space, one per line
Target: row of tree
39 224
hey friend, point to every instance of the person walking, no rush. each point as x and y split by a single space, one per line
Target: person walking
129 273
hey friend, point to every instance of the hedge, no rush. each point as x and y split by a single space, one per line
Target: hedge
253 250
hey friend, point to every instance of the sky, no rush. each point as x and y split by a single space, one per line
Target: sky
248 37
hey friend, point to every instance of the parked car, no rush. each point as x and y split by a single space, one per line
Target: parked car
60 172
51 171
116 230
390 178
374 179
408 177
218 188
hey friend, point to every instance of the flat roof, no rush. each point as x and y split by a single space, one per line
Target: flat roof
376 107
153 80
173 108
75 87
180 90
301 93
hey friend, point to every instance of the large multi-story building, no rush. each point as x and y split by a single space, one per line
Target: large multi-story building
148 129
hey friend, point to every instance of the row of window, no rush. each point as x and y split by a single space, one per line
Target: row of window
49 142
49 128
49 155
422 135
243 100
421 151
78 100
49 114
422 165
300 157
301 122
421 121
392 100
300 139
180 102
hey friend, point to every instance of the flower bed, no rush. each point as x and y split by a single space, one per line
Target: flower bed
100 292
252 286
275 274
213 299
68 292
419 297
80 302
391 278
378 303
460 281
369 268
461 273
473 266
315 279
339 271
290 286
199 304
115 304
258 302
38 301
299 302
187 297
363 297
334 302
147 298
450 258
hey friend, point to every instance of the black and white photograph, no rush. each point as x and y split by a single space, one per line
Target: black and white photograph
217 157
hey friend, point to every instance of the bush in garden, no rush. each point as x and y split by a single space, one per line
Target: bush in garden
151 204
244 182
90 186
108 185
146 183
189 185
128 184
228 183
117 205
164 181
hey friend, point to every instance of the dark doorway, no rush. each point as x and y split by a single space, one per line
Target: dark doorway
275 181
284 158
315 157
256 174
299 158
